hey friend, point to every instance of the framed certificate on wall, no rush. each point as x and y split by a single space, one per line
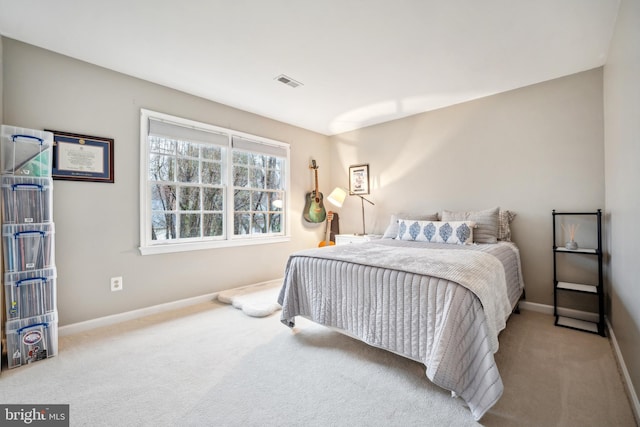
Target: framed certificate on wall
82 157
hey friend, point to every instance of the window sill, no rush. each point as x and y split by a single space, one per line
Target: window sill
187 247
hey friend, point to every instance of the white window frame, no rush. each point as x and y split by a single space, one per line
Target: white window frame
150 247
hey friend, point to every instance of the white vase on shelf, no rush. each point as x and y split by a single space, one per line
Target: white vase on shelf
571 245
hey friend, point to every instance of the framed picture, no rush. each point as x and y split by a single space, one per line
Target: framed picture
359 179
82 157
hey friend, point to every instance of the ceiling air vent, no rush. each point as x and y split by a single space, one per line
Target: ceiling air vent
288 81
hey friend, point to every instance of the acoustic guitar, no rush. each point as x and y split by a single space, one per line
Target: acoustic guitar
314 206
327 238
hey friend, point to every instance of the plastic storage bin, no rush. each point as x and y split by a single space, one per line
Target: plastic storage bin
26 151
30 293
30 340
28 246
26 199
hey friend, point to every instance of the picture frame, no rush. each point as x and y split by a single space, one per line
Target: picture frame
359 179
78 157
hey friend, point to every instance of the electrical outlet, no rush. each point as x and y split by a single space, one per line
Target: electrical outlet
116 284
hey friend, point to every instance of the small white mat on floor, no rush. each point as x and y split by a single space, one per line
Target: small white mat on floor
257 300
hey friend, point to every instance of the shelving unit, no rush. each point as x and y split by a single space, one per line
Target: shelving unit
595 288
30 316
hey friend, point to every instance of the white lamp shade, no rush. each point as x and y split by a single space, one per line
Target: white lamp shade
337 196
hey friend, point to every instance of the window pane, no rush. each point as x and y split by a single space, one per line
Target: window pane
260 201
241 223
161 168
211 152
189 198
189 225
276 202
275 223
240 176
256 178
213 199
163 197
212 225
211 173
190 149
240 158
259 224
161 145
242 200
188 171
258 160
163 226
273 179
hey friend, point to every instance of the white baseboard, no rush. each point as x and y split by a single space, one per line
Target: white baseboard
99 322
633 397
130 315
548 309
533 306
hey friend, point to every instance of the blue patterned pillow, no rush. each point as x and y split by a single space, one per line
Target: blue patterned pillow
455 232
392 229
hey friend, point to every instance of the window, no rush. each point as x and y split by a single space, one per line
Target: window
203 186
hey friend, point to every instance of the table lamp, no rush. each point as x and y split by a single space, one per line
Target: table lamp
337 197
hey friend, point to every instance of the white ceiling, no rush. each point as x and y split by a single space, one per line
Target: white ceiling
361 62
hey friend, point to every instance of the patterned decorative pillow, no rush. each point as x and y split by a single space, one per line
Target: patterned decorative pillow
454 232
392 229
504 230
486 222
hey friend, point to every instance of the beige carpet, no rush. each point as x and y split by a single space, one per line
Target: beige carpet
211 365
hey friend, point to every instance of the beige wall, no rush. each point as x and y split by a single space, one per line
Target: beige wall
1 73
97 224
529 150
622 175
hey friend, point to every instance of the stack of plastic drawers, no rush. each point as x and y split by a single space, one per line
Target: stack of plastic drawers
31 326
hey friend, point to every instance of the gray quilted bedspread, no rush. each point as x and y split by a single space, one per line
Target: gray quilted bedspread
417 300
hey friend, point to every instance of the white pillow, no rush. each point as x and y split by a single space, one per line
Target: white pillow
454 232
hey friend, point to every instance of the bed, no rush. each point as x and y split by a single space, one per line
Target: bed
440 304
